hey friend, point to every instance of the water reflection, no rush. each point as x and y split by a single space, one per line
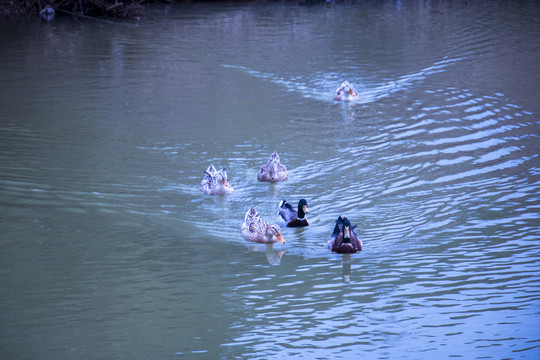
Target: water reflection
273 256
322 85
346 271
106 235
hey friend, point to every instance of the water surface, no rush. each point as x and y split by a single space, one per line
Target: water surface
109 250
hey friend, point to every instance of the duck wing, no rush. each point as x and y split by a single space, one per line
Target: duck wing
287 212
251 216
273 170
209 181
355 241
210 172
254 223
338 228
281 173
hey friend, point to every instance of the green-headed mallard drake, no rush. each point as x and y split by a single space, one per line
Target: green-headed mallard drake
292 217
273 170
257 230
345 92
215 182
344 240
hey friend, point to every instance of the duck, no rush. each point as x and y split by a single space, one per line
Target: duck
47 12
292 217
345 92
215 182
273 170
344 240
258 230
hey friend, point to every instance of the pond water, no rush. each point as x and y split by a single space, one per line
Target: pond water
109 250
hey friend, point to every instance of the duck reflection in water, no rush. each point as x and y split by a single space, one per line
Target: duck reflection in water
273 256
346 269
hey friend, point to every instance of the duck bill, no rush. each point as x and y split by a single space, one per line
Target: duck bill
280 238
346 233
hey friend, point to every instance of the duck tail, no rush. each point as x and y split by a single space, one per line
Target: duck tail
337 228
251 213
285 205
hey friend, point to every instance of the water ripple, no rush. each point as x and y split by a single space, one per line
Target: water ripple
322 86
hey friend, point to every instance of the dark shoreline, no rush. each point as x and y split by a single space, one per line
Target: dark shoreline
127 9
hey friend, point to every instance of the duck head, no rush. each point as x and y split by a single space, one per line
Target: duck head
302 208
273 233
222 178
346 230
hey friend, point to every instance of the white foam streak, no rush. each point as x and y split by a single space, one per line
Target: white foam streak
323 89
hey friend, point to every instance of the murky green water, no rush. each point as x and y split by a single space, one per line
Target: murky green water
108 249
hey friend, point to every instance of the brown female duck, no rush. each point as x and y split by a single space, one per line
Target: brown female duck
273 170
345 92
257 230
215 182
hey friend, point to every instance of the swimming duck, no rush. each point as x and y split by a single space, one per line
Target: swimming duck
345 92
292 217
47 12
257 230
273 170
344 240
215 182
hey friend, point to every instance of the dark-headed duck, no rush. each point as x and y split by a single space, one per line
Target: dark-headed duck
344 240
292 217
